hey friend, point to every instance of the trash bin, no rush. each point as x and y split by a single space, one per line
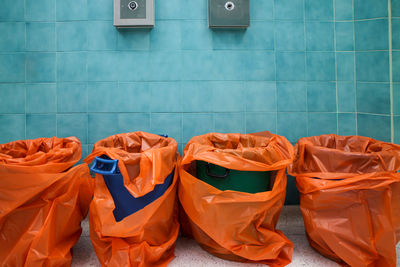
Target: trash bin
236 225
43 200
228 179
133 215
350 197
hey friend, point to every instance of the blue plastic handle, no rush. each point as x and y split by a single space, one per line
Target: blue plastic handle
100 163
164 135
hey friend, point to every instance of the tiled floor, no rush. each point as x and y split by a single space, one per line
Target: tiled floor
188 253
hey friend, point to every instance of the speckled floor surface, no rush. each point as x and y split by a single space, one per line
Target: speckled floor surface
188 253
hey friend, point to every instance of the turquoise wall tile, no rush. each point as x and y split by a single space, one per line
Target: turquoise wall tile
319 10
372 34
167 123
12 98
289 9
292 125
198 65
319 36
167 9
197 96
41 98
346 97
321 97
347 124
166 35
397 129
12 36
101 125
195 124
133 39
72 97
262 9
396 33
196 35
40 10
101 35
133 122
72 125
228 96
373 98
100 9
165 97
238 66
229 123
258 65
396 66
102 66
289 35
260 96
290 66
104 97
165 66
12 67
12 128
194 9
322 123
292 96
41 67
395 8
134 66
374 126
372 66
344 36
134 97
40 125
367 9
12 10
396 95
71 36
320 66
71 11
40 36
343 9
260 121
259 36
345 66
71 67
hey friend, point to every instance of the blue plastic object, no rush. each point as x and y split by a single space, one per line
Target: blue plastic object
125 203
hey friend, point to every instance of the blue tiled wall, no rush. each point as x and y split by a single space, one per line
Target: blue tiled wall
303 67
395 4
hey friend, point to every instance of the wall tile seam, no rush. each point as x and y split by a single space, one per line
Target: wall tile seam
355 67
392 130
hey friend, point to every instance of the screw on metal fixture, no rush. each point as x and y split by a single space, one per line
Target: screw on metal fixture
133 5
229 6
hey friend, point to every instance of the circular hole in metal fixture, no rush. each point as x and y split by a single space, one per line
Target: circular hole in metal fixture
229 6
133 5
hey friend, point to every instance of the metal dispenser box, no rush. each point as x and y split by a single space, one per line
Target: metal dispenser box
229 13
133 13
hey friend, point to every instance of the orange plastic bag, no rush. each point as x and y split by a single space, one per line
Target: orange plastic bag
146 237
42 201
350 197
236 225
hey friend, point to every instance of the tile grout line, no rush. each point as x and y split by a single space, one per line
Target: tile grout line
355 69
305 65
391 72
336 66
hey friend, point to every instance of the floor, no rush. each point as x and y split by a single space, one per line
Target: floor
188 253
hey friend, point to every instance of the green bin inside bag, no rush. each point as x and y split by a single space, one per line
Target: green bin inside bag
227 179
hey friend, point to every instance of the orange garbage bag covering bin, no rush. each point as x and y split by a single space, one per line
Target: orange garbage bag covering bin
235 225
350 197
146 237
42 201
